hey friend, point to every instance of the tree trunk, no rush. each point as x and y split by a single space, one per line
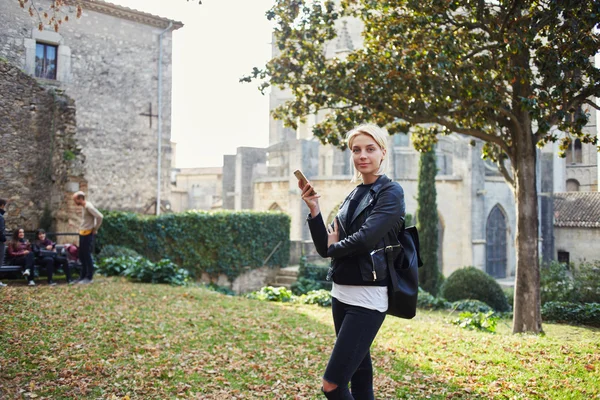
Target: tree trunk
527 304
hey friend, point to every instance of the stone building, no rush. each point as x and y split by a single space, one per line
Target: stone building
476 207
197 189
107 62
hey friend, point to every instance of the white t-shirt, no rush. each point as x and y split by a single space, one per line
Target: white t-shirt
371 297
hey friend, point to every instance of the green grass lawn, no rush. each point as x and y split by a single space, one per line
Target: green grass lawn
114 340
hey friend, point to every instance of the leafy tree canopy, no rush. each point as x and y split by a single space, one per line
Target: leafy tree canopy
495 70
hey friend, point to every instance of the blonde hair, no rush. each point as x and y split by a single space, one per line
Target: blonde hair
380 137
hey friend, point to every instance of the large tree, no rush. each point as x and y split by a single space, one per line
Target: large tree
515 74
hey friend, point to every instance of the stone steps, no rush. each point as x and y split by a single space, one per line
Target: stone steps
286 276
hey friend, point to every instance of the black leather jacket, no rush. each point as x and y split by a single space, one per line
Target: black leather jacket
380 213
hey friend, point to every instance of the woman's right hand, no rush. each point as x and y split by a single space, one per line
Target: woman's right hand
311 198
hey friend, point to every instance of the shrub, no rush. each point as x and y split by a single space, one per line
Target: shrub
470 283
111 250
509 293
586 279
480 321
114 266
556 283
573 313
269 293
222 242
321 297
427 301
310 277
473 306
219 289
164 271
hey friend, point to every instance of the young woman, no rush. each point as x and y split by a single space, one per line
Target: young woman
355 244
20 253
41 246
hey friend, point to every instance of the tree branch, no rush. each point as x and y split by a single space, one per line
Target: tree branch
591 103
505 173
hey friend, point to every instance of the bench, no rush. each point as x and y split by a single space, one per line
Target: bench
15 270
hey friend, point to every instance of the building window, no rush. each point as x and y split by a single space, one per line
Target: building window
573 185
495 239
563 257
45 61
574 153
401 140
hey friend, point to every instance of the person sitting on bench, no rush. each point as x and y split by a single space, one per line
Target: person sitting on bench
19 251
45 251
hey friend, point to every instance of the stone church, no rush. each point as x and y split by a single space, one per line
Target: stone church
105 65
476 207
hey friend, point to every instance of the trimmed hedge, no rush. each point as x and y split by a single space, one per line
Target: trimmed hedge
470 283
572 313
222 242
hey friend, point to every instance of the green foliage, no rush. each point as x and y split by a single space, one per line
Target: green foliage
556 283
117 251
427 301
219 289
216 243
46 219
576 283
482 321
141 269
321 297
69 155
473 306
472 283
114 266
572 313
310 277
163 271
270 293
586 276
408 220
509 293
427 224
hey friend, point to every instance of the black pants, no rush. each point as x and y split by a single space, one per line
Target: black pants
86 245
53 263
2 251
26 262
350 361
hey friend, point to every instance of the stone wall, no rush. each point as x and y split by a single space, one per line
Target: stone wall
109 66
580 243
41 161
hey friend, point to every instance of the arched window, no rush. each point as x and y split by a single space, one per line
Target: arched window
574 153
495 247
572 185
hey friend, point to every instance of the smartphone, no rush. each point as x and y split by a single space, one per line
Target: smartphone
303 180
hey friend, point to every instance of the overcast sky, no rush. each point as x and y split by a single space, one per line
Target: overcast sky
221 41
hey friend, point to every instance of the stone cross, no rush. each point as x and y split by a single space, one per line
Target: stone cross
149 114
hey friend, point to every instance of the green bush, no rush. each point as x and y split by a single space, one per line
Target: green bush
470 283
586 278
310 277
473 306
427 301
321 297
482 321
164 271
509 293
556 283
111 250
269 293
114 266
572 313
222 242
219 289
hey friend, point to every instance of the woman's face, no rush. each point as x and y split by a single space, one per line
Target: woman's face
21 233
367 155
42 236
